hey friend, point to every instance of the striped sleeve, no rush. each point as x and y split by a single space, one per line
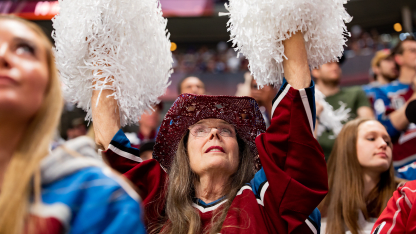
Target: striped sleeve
120 154
394 219
293 180
148 176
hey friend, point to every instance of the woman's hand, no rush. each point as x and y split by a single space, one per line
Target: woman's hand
106 117
297 72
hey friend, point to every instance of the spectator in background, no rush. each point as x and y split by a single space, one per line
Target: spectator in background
384 69
264 97
148 127
146 150
328 82
191 85
68 190
77 129
361 178
391 101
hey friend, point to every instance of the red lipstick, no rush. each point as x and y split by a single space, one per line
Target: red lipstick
215 147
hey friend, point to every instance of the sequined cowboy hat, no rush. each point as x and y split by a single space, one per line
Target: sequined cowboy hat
188 109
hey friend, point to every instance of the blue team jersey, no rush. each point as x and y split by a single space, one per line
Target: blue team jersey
389 98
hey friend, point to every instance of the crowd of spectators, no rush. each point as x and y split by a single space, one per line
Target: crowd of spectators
218 58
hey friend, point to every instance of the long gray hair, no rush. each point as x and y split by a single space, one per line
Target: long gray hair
180 215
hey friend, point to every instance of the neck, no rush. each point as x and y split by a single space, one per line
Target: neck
146 131
382 80
10 136
407 74
327 89
211 187
371 180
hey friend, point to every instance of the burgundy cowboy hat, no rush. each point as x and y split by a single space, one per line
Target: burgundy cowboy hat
242 112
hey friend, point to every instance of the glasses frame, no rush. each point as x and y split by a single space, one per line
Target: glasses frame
233 134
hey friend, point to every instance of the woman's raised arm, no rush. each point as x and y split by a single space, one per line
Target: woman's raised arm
106 117
297 72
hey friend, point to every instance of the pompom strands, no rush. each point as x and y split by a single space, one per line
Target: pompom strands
330 118
259 27
119 45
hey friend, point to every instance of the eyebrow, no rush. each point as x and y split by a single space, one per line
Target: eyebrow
26 41
375 132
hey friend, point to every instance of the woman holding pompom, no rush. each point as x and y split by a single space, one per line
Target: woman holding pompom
216 169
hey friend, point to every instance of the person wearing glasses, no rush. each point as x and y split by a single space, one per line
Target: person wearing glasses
215 167
391 101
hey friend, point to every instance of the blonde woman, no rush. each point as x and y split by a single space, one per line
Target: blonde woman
206 175
68 191
361 178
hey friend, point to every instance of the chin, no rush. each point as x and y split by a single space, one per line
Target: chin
382 167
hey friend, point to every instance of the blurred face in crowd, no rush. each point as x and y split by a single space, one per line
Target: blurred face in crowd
263 96
192 85
148 154
387 69
329 73
213 150
408 57
152 120
374 147
24 69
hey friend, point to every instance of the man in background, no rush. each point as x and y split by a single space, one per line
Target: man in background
148 127
191 85
392 99
384 71
328 82
264 97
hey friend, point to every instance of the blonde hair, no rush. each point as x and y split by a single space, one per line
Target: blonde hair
345 196
33 147
181 216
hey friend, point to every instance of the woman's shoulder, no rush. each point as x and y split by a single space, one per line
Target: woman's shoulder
80 191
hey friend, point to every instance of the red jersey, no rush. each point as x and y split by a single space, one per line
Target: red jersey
281 196
399 215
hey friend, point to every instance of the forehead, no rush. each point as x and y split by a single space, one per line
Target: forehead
372 126
10 29
192 81
212 121
409 44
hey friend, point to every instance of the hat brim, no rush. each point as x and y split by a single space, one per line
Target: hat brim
188 109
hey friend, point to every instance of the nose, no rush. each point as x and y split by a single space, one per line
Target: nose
214 134
194 89
382 143
3 59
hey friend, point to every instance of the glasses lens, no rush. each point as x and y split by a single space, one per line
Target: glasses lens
199 130
226 131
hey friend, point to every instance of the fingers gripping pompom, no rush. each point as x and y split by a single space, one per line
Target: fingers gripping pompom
259 27
120 45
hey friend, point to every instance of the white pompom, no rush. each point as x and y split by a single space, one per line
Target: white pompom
330 118
123 43
258 27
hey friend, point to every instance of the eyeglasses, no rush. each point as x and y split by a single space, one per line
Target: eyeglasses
200 130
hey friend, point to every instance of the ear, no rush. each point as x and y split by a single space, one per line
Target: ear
398 58
315 73
376 70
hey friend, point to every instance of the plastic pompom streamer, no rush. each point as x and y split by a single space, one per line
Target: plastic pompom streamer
120 45
258 28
